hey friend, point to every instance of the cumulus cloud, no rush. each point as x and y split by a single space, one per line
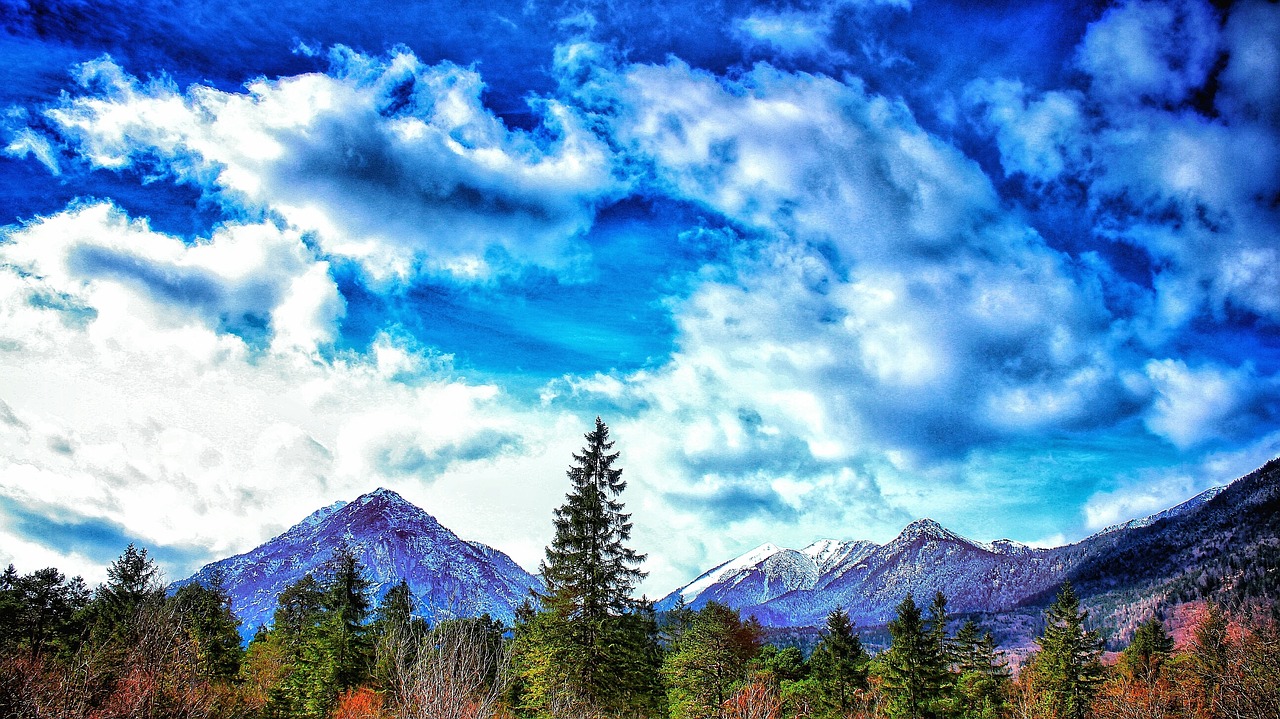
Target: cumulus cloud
389 161
1186 184
1037 138
175 394
1148 50
254 281
1195 405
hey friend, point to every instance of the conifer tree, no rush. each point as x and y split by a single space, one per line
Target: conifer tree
584 651
1068 668
913 666
981 687
709 661
347 645
1144 656
133 584
206 618
589 571
840 662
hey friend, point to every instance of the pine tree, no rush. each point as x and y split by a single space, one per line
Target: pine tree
589 571
133 585
1145 655
914 667
982 684
709 661
1068 668
43 609
582 650
347 645
205 616
840 662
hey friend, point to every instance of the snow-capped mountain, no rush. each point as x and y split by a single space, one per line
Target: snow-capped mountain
394 540
784 587
1186 506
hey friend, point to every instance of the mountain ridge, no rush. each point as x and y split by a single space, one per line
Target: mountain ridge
394 539
925 557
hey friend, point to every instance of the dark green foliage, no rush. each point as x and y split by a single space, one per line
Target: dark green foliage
205 615
709 661
133 585
299 609
1068 669
1150 647
839 663
588 654
784 664
42 610
589 571
982 679
347 646
322 634
914 668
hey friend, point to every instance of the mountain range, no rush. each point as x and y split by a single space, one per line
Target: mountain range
394 540
1223 541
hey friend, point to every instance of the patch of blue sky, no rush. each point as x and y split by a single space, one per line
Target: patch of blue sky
532 326
29 190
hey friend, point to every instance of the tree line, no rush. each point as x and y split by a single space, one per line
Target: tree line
583 648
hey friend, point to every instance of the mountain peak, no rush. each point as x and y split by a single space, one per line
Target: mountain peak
394 540
383 494
928 529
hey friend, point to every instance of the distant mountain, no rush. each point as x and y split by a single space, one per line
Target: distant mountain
395 540
1181 553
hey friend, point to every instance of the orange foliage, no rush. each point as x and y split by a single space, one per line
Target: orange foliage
359 703
756 700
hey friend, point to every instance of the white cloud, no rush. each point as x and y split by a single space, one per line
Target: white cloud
389 161
129 403
1158 51
1037 138
1194 405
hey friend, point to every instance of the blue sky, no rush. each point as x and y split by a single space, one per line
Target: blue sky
824 268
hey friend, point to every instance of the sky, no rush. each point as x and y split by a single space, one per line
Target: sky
823 268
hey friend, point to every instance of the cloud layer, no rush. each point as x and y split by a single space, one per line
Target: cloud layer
818 287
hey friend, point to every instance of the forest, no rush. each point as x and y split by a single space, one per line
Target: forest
584 648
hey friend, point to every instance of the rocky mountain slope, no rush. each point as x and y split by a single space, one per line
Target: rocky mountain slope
394 539
790 588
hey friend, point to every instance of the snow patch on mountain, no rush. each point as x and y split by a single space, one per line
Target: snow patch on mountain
394 540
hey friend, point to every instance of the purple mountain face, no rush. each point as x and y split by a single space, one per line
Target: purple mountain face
790 588
394 540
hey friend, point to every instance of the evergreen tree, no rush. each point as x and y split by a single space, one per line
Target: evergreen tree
942 657
589 571
1068 669
709 661
206 617
395 611
913 666
839 662
573 657
982 684
299 609
345 639
1144 656
133 585
42 610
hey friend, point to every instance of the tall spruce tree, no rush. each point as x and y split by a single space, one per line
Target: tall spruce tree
982 685
572 654
1068 668
914 668
589 571
133 585
1146 654
840 662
